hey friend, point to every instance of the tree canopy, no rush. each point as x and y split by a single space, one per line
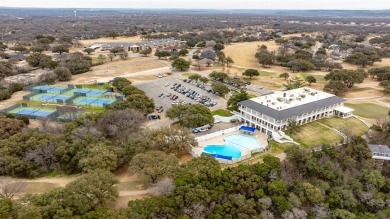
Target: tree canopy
180 64
191 116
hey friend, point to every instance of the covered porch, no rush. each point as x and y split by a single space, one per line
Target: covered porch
343 112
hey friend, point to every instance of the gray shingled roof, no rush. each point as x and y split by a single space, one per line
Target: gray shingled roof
291 112
382 149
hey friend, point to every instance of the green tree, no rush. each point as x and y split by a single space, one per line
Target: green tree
183 52
219 47
363 57
162 54
220 76
98 157
93 190
78 63
173 140
294 83
89 50
116 50
201 44
220 88
251 72
277 187
284 75
297 65
113 34
229 61
336 87
60 49
195 77
236 98
264 57
292 126
181 64
342 214
191 44
348 77
5 207
20 49
63 74
153 166
310 79
37 59
192 116
146 51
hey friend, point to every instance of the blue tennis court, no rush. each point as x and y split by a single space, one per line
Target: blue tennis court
28 111
49 89
93 101
49 97
90 92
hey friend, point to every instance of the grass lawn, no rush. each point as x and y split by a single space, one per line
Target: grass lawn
314 134
352 124
277 148
187 74
251 96
222 112
319 78
369 110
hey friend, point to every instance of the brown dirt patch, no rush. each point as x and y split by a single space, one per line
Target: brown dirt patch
243 54
113 69
110 40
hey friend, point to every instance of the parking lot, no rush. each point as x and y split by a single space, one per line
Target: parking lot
157 87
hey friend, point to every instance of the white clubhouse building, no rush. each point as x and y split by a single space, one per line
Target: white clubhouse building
270 113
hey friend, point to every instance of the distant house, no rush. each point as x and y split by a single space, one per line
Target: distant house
19 57
380 152
131 46
208 54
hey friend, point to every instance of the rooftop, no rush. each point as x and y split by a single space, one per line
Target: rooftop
274 106
380 149
281 100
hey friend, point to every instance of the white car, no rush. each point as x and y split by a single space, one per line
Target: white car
167 84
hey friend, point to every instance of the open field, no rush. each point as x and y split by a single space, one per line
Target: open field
354 125
314 134
243 54
109 39
369 110
122 68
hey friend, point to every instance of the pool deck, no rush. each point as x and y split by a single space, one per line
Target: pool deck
219 140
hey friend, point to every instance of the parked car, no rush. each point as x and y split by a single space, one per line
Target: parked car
195 131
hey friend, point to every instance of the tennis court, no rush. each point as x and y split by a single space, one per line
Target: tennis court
89 92
31 112
49 89
91 101
49 97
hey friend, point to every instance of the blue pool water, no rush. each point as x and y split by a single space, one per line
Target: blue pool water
233 146
224 150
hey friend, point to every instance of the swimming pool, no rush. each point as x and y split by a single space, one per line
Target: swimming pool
233 147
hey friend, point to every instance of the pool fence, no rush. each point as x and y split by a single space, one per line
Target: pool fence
219 133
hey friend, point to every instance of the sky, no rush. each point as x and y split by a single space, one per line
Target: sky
203 4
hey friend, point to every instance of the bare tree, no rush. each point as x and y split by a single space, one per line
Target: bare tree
9 189
164 187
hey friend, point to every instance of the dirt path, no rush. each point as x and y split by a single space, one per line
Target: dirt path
16 97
